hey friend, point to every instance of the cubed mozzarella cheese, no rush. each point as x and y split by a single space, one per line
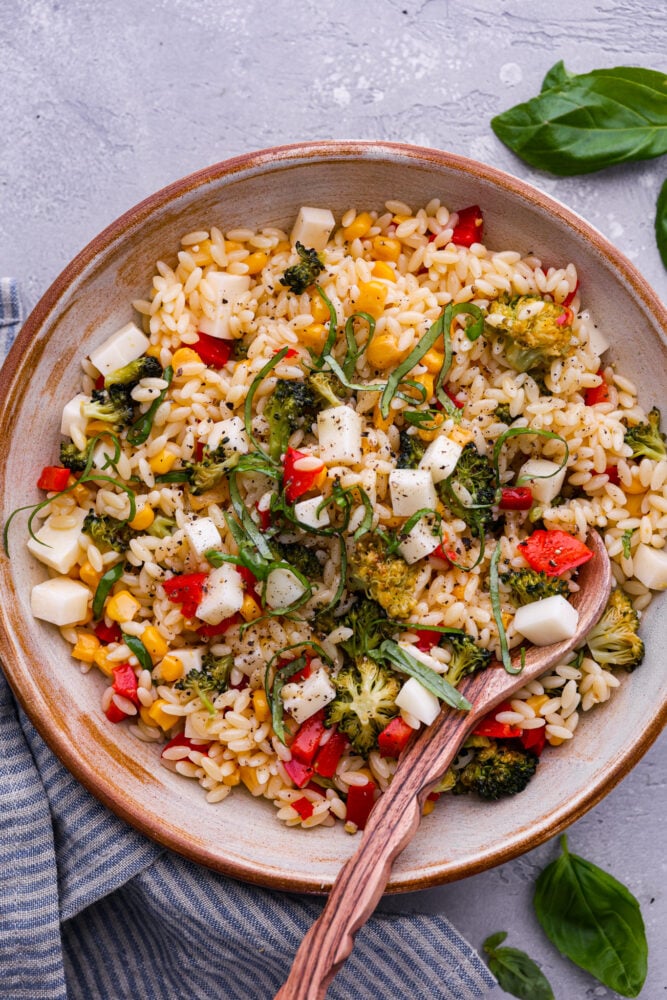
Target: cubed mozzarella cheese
411 490
415 699
223 595
548 621
339 434
313 227
440 458
190 658
543 477
650 567
282 588
231 434
420 541
228 290
60 601
125 345
73 423
597 341
306 512
61 547
307 697
202 534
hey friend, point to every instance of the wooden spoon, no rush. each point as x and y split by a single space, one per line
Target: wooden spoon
395 817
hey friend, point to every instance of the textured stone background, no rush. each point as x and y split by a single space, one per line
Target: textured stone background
103 103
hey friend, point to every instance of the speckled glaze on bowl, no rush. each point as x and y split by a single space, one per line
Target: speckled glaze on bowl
90 299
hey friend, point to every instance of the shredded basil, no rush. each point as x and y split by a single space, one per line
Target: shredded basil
254 386
134 643
494 593
519 431
139 431
104 586
274 681
407 664
354 351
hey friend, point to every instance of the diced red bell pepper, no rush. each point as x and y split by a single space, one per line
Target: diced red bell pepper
302 673
566 318
185 741
426 639
497 730
114 713
433 796
248 577
516 498
297 481
394 737
458 403
99 382
329 755
53 478
569 298
312 787
470 227
597 394
304 807
612 472
360 801
307 740
108 633
212 350
264 517
448 555
554 552
125 682
298 772
186 590
534 739
199 451
208 631
291 352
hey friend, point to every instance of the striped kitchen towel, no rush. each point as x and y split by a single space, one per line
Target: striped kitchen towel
89 908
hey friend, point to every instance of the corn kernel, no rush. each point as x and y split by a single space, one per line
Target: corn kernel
319 309
459 591
232 245
145 716
122 607
372 297
249 779
231 780
80 493
634 504
250 609
383 352
382 423
154 351
171 668
536 702
94 427
163 720
398 219
75 573
386 248
162 462
313 336
428 807
433 361
142 519
184 356
89 575
555 741
358 227
85 648
462 436
101 660
506 618
256 261
260 705
425 379
282 247
635 487
383 270
155 643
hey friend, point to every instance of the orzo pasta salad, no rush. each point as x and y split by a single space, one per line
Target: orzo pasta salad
326 475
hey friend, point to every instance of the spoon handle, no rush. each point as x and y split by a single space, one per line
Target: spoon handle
391 826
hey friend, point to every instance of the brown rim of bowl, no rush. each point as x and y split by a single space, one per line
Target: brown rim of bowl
27 690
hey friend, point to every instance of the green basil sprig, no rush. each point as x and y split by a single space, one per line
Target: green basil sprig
136 646
661 223
104 586
584 122
494 593
141 428
593 920
515 971
407 664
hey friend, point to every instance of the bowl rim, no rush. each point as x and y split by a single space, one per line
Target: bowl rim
25 686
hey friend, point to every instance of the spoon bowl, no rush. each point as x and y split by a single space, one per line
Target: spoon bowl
395 817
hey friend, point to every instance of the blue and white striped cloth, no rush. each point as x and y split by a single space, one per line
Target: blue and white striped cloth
89 908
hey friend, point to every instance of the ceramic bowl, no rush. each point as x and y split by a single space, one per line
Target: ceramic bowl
91 299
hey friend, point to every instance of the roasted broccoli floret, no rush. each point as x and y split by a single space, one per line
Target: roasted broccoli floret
327 387
72 458
470 491
206 473
411 451
528 585
129 375
299 276
384 576
467 658
498 770
213 676
365 702
114 406
535 331
301 557
370 627
291 405
503 415
646 439
107 532
162 526
614 641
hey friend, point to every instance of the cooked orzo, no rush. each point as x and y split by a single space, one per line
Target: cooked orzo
327 474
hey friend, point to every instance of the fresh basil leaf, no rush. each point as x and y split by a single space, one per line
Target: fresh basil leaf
134 643
661 223
556 76
589 121
593 920
104 586
515 971
407 664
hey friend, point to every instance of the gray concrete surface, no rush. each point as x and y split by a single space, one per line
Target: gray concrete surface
103 103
